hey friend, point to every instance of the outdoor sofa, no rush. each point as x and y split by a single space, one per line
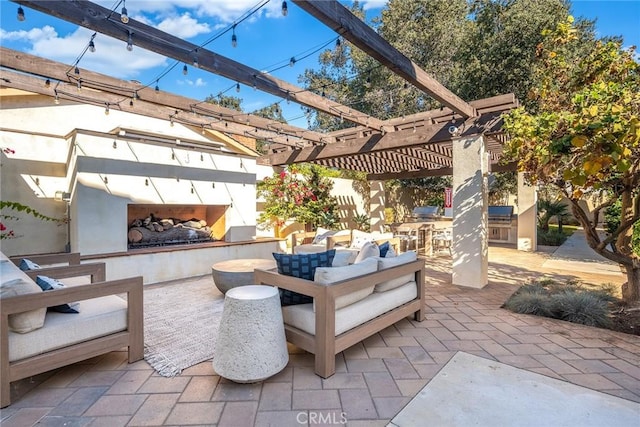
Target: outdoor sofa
350 303
343 240
34 340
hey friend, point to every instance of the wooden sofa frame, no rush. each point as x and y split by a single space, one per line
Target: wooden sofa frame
325 344
69 258
132 337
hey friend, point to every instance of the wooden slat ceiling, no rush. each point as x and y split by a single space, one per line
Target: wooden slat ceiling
410 146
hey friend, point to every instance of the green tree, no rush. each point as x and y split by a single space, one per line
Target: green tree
226 101
548 209
584 136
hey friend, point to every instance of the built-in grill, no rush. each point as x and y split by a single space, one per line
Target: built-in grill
425 213
500 216
500 219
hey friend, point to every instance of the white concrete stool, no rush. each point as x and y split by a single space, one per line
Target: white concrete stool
251 345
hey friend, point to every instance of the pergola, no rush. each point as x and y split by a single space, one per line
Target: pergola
463 139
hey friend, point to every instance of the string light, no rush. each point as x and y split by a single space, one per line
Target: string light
157 88
338 43
201 157
131 103
237 87
195 58
79 85
106 109
285 9
56 100
105 180
115 144
171 120
47 83
185 71
146 182
130 41
76 70
234 38
124 16
92 46
213 185
292 61
20 14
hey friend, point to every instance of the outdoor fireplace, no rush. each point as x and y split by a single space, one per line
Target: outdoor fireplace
151 225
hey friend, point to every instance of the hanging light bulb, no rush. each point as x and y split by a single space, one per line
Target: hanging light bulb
171 120
323 93
192 190
76 70
157 88
47 83
56 100
285 9
234 38
20 14
288 98
124 16
292 61
195 59
79 85
105 180
130 42
213 185
338 43
185 71
106 109
131 103
201 157
115 144
237 87
146 182
92 46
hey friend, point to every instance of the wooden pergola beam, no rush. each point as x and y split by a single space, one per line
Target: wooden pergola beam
220 118
410 175
377 142
68 92
343 22
104 21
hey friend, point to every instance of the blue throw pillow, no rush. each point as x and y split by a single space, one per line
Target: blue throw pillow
302 266
27 264
49 283
384 248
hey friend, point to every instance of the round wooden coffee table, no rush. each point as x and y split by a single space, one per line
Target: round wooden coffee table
238 272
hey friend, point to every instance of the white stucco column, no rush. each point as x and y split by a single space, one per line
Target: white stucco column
470 237
376 205
527 215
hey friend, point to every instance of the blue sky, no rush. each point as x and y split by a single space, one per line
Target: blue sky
266 40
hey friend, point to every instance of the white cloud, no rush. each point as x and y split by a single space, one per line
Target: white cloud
223 10
373 4
199 82
33 35
183 26
111 56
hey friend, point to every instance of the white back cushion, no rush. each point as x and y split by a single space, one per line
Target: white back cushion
384 263
368 250
330 275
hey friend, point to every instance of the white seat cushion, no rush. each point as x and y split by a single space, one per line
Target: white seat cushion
98 317
15 282
302 316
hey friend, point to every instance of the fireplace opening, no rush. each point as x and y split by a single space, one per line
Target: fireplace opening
162 225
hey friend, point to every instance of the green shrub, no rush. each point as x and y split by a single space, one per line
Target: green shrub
530 303
579 306
551 238
570 301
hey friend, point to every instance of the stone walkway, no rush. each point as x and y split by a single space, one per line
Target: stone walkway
375 379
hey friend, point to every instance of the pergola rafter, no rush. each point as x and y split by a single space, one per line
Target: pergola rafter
409 146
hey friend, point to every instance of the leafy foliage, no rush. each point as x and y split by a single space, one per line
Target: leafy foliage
305 198
584 135
5 233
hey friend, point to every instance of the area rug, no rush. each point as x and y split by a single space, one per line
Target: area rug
181 324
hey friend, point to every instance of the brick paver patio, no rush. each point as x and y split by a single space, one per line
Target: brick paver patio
375 379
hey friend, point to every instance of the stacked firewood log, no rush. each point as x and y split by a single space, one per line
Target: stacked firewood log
170 230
